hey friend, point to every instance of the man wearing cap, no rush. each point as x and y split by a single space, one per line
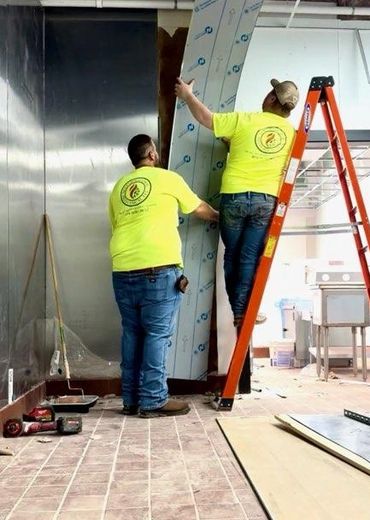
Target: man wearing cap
260 144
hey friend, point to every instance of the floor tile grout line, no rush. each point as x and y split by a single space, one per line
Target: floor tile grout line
28 487
220 461
62 500
106 497
150 470
186 471
16 456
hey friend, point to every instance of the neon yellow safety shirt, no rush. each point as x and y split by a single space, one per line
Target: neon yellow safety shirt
260 143
143 210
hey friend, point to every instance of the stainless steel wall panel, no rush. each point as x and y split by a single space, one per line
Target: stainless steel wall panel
4 283
25 171
101 89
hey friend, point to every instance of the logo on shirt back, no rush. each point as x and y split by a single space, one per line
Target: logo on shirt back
271 139
135 191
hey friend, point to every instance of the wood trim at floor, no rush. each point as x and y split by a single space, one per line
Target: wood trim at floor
103 387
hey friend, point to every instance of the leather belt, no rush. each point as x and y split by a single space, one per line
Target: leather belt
149 270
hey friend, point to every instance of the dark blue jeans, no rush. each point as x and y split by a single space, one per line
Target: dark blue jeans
244 222
148 304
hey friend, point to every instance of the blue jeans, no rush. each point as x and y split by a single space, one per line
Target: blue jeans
148 304
244 222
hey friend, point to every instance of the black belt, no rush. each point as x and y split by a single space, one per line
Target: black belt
149 270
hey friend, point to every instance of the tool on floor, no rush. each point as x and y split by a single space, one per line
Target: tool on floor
61 403
320 92
83 401
40 414
63 425
57 303
72 403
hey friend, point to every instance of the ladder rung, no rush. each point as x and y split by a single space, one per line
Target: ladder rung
355 225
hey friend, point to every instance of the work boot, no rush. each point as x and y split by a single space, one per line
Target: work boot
131 409
260 318
172 407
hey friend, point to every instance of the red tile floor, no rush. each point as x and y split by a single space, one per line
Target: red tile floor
127 468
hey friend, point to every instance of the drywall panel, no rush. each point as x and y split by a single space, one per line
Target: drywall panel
218 40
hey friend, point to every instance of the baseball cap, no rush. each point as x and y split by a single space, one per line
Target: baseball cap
286 92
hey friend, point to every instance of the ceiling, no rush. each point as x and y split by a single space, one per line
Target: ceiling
317 179
349 8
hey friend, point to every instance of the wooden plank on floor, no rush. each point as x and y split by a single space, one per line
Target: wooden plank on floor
328 444
293 478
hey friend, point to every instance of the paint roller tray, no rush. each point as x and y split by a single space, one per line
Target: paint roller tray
71 403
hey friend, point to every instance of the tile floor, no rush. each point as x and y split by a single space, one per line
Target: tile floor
126 468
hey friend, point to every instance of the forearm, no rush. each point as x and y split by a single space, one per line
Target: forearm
200 112
205 212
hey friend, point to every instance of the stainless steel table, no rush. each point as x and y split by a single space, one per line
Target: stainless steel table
340 305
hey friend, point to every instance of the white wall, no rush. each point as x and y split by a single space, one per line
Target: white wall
299 55
172 20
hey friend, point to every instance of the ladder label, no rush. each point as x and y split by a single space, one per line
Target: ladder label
270 246
280 210
307 117
292 171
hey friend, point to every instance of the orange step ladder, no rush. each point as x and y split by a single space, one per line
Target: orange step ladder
320 92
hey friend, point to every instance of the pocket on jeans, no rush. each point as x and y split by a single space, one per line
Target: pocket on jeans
264 212
231 214
160 286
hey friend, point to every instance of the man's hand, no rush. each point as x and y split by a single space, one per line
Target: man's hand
200 112
205 212
184 90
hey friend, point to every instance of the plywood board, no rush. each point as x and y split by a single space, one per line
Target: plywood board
343 437
293 478
218 39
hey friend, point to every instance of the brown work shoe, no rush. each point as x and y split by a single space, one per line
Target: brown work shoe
172 407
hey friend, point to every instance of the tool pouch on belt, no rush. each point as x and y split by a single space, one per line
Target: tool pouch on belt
181 283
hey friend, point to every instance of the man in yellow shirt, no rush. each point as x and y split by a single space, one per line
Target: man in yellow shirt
259 148
147 274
